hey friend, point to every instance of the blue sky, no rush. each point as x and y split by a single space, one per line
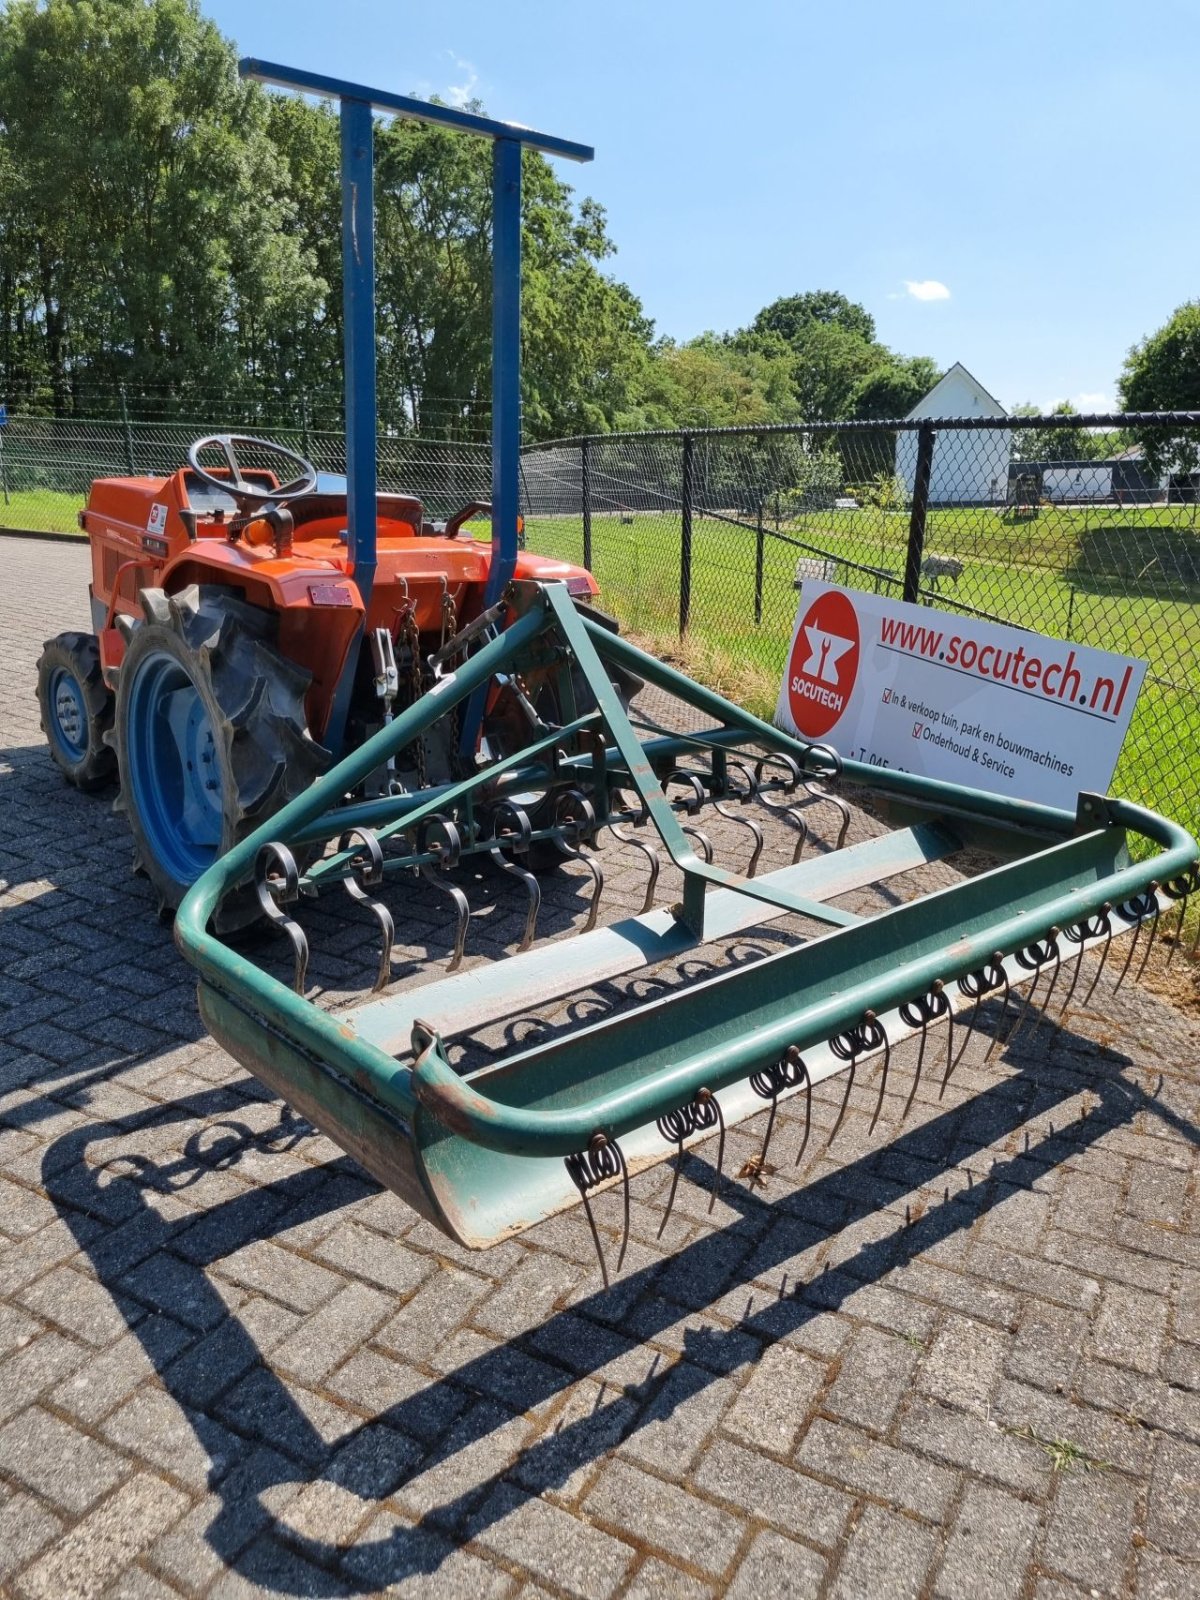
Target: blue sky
1011 185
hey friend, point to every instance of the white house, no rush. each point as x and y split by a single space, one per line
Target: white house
969 466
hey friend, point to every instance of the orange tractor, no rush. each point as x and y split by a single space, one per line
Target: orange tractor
234 654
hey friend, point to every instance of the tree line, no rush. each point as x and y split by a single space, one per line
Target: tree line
172 232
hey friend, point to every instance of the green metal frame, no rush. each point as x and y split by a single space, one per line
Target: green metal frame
482 1153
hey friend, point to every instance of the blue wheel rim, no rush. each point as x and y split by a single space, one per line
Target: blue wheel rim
68 714
172 768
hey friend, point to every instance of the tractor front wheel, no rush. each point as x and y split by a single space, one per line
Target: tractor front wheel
210 734
77 709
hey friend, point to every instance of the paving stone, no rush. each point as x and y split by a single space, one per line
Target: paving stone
186 1445
1047 1346
777 1566
867 1465
411 1563
1058 1284
592 1422
462 1467
97 1549
989 1547
656 1580
112 1375
766 1489
324 1340
26 1527
888 1558
642 1508
1116 1440
964 1365
69 1468
1130 1328
876 1373
550 1543
384 1262
421 1328
295 1420
285 1276
672 1429
975 1443
1163 1577
80 1306
774 1403
1173 1519
1088 1538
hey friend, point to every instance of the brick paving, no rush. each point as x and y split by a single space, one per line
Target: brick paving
961 1359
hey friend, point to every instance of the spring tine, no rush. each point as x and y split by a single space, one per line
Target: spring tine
674 1125
532 888
798 1062
1154 916
708 1111
651 855
1178 939
926 1009
1106 914
744 822
579 852
820 796
587 1207
362 873
803 839
845 1102
998 961
766 1085
1053 981
1076 934
966 1039
1040 957
613 1145
876 1027
702 839
272 893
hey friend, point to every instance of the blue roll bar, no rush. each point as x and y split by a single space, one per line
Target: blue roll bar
357 103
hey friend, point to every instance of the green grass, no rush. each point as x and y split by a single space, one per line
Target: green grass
41 511
1018 576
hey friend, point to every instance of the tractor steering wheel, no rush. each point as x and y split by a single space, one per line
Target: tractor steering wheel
247 495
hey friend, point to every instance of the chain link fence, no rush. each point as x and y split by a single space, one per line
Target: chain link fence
1082 528
47 464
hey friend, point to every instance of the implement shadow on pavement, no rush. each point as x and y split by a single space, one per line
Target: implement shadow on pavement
281 1448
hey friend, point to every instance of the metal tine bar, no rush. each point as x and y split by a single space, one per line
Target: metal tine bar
648 850
272 893
447 850
512 830
792 813
361 874
583 826
1105 914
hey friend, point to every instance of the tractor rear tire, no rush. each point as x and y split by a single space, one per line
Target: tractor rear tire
210 734
76 707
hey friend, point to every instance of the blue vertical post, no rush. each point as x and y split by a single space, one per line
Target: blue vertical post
506 362
358 302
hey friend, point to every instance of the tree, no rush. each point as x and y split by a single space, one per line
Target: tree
1162 373
891 390
1055 443
793 315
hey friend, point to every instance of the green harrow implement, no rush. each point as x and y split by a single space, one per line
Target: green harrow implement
489 1151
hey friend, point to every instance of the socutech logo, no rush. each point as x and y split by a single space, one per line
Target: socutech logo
824 664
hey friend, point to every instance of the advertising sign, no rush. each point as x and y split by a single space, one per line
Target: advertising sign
986 706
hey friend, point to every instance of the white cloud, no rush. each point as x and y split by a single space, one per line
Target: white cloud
1097 402
926 289
459 94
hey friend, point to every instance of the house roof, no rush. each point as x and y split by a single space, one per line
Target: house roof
927 406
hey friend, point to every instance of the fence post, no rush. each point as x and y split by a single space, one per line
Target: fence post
585 493
758 564
128 431
926 439
685 544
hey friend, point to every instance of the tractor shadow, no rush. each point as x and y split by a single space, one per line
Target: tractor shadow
269 1457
